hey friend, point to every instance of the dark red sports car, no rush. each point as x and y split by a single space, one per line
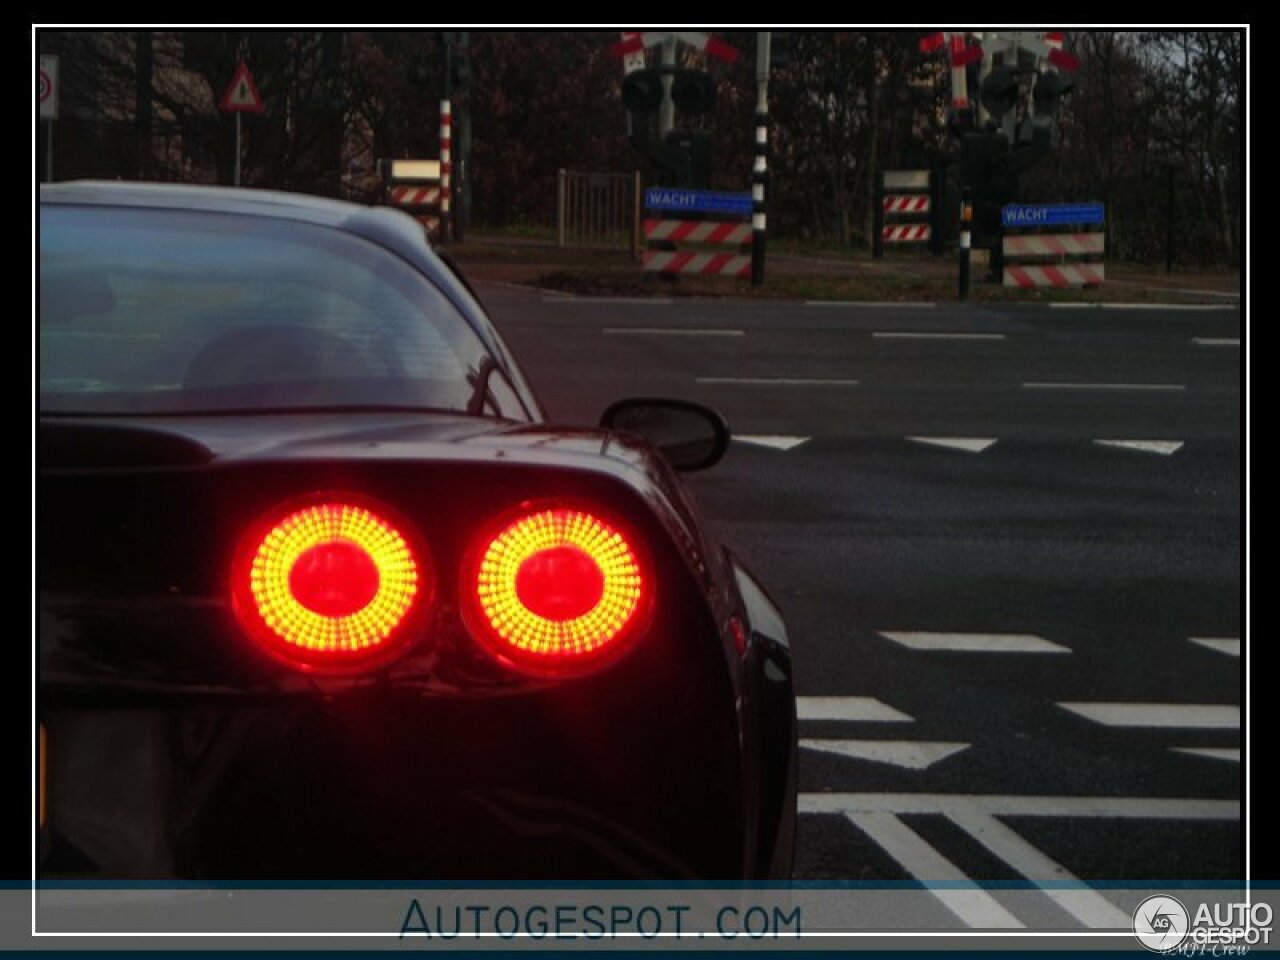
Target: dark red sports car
321 594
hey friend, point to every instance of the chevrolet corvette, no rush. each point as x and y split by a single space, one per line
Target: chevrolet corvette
322 594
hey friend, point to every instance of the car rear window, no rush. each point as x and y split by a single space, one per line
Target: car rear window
162 311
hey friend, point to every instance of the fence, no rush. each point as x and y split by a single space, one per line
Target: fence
598 209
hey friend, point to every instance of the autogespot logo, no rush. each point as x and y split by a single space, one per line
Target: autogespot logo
1161 923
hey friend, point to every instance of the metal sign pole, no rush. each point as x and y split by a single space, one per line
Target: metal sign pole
48 152
236 180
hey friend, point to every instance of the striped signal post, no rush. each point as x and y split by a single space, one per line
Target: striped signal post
760 166
446 168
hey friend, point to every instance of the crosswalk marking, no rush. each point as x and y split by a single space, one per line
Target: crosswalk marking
1228 645
975 907
910 754
867 709
975 642
1208 716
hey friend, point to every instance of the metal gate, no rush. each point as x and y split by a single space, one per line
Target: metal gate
598 210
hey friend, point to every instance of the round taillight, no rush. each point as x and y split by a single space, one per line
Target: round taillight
329 584
557 590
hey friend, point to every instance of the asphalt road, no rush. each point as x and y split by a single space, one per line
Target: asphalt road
1007 541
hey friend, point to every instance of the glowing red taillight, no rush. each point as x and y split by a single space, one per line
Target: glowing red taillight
557 590
330 584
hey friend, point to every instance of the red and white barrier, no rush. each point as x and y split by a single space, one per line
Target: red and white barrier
705 264
1054 259
698 231
415 196
1058 244
1055 275
906 203
906 233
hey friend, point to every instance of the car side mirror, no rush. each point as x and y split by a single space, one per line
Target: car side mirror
689 435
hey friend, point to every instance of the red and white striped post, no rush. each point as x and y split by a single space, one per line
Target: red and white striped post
760 165
446 168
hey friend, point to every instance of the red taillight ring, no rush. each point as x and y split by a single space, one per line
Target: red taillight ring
557 589
330 583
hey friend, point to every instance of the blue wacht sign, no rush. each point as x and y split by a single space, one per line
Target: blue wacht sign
1053 215
697 201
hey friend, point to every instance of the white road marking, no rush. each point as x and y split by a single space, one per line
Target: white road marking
913 335
1086 905
1035 385
975 642
775 441
969 444
1202 716
1228 645
1204 293
672 332
975 907
1216 341
867 709
1163 447
870 304
1114 305
1231 754
622 301
777 381
910 754
1012 805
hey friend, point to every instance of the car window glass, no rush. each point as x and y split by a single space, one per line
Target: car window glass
165 312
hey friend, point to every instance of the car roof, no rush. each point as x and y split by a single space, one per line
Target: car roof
397 228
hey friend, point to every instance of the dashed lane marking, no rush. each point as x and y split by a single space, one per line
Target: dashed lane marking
1226 645
777 381
774 441
909 754
1230 754
867 709
618 301
921 335
1153 387
975 642
1120 305
1216 341
673 332
1199 716
870 304
1163 447
968 444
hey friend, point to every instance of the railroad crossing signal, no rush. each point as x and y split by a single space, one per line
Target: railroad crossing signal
711 46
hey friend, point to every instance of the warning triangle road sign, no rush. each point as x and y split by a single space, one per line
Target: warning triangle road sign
242 95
